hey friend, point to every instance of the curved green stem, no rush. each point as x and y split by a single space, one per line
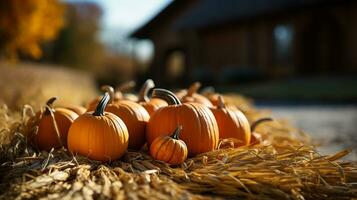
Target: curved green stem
166 95
126 86
221 103
49 105
110 90
259 121
99 110
193 88
143 93
176 133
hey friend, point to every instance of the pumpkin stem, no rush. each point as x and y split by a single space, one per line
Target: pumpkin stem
193 88
110 90
208 90
166 95
221 103
126 86
143 93
259 121
99 110
49 105
176 133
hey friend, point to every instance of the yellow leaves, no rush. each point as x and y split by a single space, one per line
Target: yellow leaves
27 23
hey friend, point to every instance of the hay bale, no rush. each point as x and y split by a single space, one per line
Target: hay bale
34 84
284 166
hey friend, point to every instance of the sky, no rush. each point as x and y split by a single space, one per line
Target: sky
122 17
128 15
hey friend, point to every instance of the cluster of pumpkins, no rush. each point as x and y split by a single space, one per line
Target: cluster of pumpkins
173 125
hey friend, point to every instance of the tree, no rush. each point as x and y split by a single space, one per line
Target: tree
25 24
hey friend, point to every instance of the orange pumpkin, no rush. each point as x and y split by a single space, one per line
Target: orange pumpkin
153 104
118 95
115 97
75 108
232 123
99 135
200 130
125 96
169 149
256 137
134 116
193 96
53 125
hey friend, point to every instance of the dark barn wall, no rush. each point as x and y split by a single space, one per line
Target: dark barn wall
324 42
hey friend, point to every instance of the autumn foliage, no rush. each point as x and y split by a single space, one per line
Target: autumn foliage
24 24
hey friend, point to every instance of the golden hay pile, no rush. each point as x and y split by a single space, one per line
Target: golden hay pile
284 166
34 84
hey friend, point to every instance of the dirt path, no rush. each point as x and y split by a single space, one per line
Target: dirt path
334 127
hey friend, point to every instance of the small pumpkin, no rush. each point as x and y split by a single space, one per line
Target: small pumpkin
199 127
169 149
134 116
232 123
124 87
53 125
193 96
153 104
256 138
99 135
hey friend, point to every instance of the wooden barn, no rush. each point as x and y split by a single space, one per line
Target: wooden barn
233 41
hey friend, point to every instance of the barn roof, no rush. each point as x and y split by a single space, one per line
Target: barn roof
205 13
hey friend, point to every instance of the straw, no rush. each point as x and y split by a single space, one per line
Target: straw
284 166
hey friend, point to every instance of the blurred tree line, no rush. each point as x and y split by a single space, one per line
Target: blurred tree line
63 33
25 24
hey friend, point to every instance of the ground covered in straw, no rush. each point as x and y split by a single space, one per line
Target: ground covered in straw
284 166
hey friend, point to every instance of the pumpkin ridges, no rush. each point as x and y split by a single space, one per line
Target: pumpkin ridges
53 125
209 115
166 113
104 125
232 123
169 149
135 117
173 150
95 143
163 142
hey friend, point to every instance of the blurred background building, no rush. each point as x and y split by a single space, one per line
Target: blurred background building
239 41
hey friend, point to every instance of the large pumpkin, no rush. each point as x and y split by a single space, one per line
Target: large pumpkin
193 96
53 125
133 115
169 149
232 123
153 104
98 135
199 127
